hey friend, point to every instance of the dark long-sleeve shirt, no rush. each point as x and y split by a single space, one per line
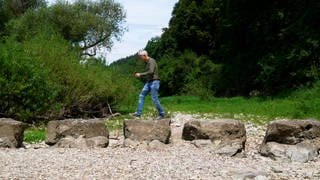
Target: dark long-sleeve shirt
151 70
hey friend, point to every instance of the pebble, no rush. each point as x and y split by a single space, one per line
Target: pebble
178 160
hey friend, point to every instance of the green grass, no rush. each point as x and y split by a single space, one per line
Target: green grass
258 110
254 109
299 104
116 123
34 135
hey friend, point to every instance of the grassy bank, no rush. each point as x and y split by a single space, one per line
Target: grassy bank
300 104
254 109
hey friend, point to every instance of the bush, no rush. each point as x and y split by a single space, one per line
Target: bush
189 74
43 78
26 92
87 89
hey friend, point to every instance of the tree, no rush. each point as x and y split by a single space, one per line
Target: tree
193 25
268 46
11 9
16 8
87 25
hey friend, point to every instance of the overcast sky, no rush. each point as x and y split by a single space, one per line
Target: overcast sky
145 19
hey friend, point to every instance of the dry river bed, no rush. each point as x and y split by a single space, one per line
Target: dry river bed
177 160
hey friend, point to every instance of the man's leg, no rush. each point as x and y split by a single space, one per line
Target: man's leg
144 92
154 95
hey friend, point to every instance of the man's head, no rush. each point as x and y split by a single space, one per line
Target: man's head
143 55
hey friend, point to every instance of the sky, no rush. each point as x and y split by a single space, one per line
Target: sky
145 20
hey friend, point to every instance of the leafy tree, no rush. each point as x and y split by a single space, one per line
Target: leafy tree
88 25
189 74
3 17
42 75
45 80
10 9
153 46
280 39
193 26
18 7
267 46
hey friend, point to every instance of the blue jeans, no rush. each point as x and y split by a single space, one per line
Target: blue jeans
152 87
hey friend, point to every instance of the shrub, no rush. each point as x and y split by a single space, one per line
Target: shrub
43 77
87 89
26 92
189 74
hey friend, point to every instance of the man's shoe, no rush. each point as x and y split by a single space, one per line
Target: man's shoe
135 115
160 117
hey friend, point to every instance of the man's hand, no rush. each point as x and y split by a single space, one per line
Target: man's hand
137 75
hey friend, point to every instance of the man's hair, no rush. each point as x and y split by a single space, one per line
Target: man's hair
143 53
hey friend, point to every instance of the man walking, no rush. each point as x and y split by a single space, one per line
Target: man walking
152 85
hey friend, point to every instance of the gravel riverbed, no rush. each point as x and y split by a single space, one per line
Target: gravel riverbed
177 160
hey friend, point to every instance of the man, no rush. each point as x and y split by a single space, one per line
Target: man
152 85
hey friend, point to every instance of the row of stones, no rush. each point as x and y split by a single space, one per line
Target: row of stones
296 140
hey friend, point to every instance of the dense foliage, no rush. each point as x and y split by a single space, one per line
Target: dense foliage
45 80
298 104
43 73
260 46
211 47
26 90
12 9
87 25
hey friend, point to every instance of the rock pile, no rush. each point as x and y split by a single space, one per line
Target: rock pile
293 140
194 158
